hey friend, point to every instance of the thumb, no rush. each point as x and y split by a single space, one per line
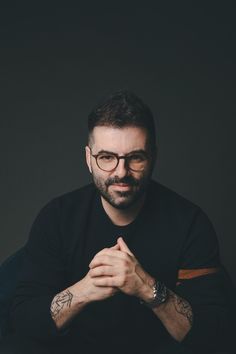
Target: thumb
116 247
123 246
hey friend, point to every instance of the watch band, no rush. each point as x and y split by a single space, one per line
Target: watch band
160 295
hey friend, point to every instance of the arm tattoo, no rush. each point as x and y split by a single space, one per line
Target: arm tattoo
60 301
182 306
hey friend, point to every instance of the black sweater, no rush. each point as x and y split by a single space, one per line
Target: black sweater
173 240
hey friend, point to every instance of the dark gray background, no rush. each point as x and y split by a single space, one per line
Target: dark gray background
56 63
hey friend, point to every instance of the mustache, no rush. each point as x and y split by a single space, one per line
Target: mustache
126 180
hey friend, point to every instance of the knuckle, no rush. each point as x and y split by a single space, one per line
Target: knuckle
108 282
123 272
93 281
126 271
91 272
121 281
125 265
124 256
111 291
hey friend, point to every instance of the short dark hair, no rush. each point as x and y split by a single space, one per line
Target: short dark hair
123 108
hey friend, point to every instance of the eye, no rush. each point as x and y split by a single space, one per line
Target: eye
106 158
137 158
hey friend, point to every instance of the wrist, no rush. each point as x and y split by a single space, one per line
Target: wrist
81 293
146 291
159 296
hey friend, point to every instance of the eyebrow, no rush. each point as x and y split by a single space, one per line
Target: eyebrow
114 153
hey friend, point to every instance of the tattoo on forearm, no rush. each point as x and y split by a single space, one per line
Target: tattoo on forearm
182 306
60 301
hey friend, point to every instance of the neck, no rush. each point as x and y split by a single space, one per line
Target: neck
122 217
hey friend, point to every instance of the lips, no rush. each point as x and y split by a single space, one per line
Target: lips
121 186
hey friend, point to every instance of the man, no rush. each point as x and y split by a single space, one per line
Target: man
123 265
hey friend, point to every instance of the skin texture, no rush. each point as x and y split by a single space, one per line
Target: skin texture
117 269
119 200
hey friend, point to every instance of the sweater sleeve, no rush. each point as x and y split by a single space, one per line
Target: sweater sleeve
201 283
42 276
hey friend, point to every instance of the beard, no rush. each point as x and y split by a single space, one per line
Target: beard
122 199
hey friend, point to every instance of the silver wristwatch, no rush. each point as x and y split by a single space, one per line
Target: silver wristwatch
160 295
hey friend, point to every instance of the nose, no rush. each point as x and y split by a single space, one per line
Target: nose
121 169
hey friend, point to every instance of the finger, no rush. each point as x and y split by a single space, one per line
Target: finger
102 271
103 259
123 246
116 247
100 260
113 252
107 281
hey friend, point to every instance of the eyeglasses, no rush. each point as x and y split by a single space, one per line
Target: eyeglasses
135 161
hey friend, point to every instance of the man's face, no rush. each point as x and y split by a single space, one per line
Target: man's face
121 187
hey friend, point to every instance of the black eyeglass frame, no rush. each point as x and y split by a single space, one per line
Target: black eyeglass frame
124 157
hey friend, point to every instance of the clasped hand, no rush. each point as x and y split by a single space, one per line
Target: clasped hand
117 268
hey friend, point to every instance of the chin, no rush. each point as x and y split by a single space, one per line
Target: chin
121 205
122 202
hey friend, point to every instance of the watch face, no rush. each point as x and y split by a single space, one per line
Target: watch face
160 295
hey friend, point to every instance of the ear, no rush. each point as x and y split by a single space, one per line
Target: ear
88 158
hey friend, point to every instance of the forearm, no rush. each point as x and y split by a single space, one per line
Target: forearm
67 304
71 301
176 315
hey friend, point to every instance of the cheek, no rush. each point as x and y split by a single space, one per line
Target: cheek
98 175
144 176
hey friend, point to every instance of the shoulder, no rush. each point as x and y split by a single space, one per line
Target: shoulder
187 221
74 199
170 202
62 215
66 207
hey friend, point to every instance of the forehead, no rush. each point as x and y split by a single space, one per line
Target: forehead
119 140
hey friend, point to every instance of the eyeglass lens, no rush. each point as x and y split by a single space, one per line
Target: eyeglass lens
109 162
